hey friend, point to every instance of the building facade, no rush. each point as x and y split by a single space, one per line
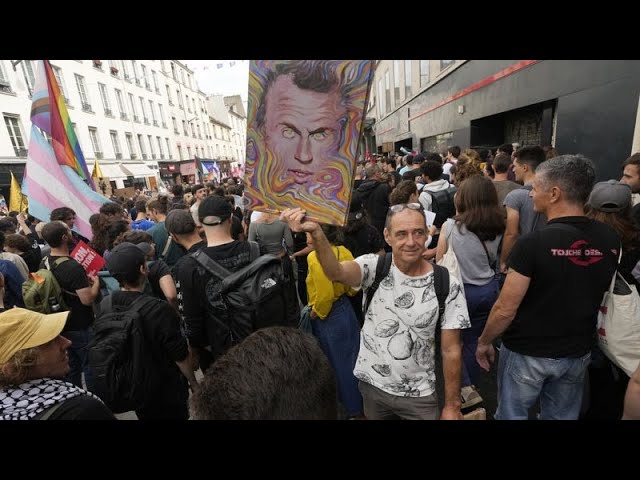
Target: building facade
139 118
578 106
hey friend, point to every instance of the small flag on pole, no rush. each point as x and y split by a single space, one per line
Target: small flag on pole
17 201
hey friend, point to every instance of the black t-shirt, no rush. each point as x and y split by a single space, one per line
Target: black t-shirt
157 270
629 260
635 214
80 407
71 277
570 263
236 227
193 282
177 275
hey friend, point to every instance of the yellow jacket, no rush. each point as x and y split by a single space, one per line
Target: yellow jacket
321 291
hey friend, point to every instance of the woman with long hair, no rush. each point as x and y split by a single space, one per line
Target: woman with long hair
474 235
610 203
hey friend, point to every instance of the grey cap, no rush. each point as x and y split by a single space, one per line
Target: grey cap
610 196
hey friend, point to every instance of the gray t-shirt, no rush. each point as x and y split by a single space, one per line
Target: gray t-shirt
472 258
504 187
529 220
270 236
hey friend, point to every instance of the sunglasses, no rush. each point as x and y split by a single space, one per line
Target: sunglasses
401 206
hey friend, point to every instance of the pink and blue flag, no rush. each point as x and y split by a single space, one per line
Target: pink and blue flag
56 174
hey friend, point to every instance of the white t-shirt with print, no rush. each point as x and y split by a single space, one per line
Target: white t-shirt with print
397 341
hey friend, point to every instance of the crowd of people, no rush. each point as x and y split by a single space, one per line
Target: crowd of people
530 240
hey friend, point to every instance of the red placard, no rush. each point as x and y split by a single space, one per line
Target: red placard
86 256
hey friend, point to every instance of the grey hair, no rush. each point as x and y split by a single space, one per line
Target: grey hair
575 175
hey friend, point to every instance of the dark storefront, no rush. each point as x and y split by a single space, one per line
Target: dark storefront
5 177
579 106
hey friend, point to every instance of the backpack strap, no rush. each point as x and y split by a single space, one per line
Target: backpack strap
210 265
50 411
441 285
382 270
255 250
56 264
166 248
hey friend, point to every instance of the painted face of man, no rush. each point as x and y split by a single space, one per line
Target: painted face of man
303 129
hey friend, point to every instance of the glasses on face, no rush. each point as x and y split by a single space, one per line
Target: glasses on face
401 206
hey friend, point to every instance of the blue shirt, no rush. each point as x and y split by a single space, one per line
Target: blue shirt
143 225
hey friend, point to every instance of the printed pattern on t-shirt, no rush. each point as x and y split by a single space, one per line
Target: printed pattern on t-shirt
397 342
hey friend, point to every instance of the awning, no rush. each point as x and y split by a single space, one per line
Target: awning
138 170
110 170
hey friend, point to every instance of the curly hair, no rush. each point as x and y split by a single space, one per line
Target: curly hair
16 370
402 192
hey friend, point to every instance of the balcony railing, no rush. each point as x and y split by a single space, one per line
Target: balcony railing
123 116
164 125
86 107
136 119
155 123
118 156
134 156
107 112
99 155
144 156
146 121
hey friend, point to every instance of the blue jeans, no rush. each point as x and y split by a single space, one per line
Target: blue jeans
79 357
557 381
339 337
480 300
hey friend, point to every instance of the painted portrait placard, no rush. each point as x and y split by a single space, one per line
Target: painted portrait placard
304 133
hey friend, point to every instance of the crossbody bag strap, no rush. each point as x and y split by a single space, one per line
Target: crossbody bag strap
382 270
163 255
210 265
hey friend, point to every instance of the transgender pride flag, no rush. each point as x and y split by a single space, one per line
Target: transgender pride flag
57 176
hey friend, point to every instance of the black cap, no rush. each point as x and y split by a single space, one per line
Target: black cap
125 258
214 210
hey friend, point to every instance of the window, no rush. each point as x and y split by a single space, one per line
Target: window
193 102
29 75
179 100
132 104
387 92
58 74
147 85
182 75
160 147
169 148
120 101
193 130
175 125
144 112
82 90
154 119
116 144
424 72
105 99
155 81
130 146
396 81
407 79
161 109
445 63
188 147
381 96
184 128
15 133
141 145
5 86
189 78
199 132
151 150
180 152
169 95
188 104
134 67
173 72
95 142
125 72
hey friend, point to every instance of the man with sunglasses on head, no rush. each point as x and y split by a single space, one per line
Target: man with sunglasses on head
396 361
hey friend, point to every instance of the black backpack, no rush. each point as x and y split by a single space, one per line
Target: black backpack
120 359
442 205
262 294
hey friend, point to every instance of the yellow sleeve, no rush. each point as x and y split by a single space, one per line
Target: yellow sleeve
319 288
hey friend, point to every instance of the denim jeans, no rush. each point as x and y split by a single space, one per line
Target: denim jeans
79 357
557 381
480 300
339 337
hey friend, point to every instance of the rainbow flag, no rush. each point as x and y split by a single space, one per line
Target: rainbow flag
52 179
49 113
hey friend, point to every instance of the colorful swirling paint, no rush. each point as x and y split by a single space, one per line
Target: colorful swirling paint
304 127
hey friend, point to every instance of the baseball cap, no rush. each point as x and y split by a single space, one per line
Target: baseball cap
179 222
610 196
214 210
126 258
21 329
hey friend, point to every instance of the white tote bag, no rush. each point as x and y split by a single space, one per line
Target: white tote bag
619 324
450 262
